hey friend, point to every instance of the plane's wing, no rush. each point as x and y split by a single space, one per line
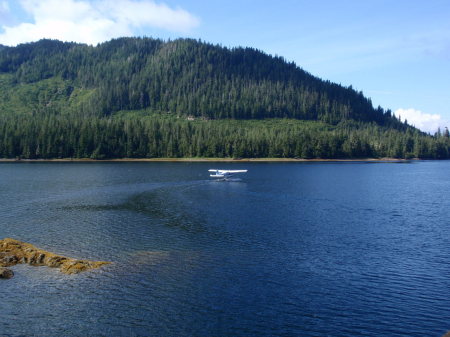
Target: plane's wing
224 173
227 171
233 171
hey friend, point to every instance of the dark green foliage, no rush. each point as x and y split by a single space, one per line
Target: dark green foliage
141 97
54 136
187 77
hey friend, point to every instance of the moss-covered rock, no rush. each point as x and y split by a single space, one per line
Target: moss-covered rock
13 252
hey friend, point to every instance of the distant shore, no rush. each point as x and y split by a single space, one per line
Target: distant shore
230 160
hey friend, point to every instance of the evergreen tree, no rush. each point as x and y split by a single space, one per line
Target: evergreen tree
141 97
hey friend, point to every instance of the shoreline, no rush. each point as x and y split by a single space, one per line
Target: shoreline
225 160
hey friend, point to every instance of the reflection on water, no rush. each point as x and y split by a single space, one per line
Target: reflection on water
153 204
341 249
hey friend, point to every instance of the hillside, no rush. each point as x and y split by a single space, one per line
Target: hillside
142 97
183 77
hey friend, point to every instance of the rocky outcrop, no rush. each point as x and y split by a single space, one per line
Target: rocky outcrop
13 252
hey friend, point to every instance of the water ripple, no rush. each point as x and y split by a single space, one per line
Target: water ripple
291 250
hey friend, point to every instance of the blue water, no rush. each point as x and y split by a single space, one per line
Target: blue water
292 249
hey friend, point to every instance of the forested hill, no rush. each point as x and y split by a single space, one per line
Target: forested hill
142 97
187 77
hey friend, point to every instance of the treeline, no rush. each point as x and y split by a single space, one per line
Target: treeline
54 136
186 77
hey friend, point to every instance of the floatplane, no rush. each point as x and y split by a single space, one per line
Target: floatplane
224 174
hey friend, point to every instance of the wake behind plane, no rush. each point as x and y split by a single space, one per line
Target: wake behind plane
224 174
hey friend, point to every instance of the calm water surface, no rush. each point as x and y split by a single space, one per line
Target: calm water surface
293 249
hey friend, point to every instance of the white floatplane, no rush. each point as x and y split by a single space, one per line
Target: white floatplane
224 174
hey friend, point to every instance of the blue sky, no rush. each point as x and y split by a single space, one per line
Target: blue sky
397 52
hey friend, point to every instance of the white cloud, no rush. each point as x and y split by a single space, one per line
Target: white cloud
423 121
94 21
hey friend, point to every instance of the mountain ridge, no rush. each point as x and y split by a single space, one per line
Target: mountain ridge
149 98
188 77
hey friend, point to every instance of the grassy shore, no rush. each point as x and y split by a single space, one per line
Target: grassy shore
206 160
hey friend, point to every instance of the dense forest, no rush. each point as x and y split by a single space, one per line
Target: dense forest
142 97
